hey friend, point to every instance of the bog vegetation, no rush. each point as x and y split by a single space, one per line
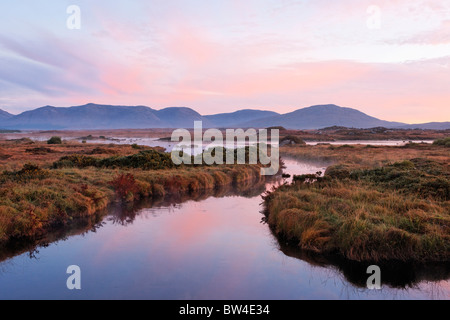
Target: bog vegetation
45 187
368 208
373 203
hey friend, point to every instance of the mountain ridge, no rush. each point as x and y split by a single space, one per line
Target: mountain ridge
5 115
322 116
98 116
240 116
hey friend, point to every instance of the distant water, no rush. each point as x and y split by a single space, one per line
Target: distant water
371 142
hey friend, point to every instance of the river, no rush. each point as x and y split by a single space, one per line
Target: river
207 246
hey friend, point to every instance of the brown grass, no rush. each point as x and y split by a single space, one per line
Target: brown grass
367 156
37 198
369 206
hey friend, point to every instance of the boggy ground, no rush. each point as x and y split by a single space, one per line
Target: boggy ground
373 203
43 187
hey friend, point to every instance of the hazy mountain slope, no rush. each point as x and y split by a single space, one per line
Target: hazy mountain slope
235 119
322 116
89 116
180 117
429 125
5 115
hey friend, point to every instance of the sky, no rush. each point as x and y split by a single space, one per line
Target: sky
387 58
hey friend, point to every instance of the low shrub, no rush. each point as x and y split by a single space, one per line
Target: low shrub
54 140
146 160
292 140
443 142
125 186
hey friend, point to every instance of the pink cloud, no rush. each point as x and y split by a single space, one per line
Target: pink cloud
190 46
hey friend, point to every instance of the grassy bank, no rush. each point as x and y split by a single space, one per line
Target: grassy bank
51 186
385 204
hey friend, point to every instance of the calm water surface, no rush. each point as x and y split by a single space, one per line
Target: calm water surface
212 247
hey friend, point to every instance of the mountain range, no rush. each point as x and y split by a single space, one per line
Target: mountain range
95 116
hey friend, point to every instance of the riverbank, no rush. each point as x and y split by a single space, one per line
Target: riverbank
44 187
373 204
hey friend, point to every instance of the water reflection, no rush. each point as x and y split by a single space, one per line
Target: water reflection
400 275
125 213
80 226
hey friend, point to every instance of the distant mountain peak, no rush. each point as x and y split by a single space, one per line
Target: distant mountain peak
327 105
322 116
5 115
46 107
237 118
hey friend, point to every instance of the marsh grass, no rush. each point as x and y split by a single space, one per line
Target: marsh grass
360 223
40 191
364 211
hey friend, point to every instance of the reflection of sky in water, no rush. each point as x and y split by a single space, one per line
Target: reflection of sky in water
371 142
212 249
